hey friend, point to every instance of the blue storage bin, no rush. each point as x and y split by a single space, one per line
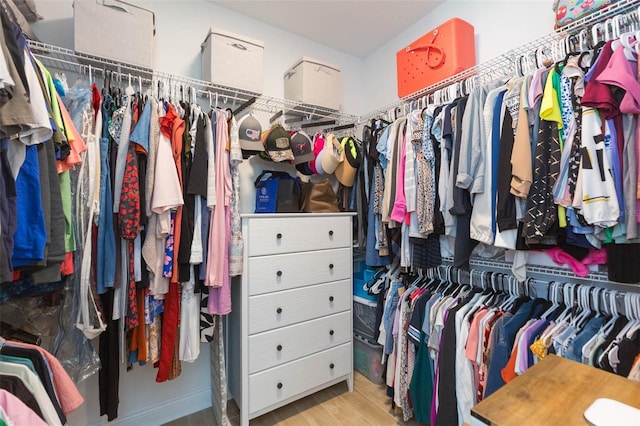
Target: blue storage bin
359 291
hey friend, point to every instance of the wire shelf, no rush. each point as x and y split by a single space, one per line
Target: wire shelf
506 63
67 60
549 273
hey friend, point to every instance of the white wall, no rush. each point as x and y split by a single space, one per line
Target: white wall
181 26
499 26
145 402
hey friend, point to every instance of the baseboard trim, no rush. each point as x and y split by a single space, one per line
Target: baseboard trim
165 411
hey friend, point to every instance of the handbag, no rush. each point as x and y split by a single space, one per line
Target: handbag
319 197
277 192
568 11
437 55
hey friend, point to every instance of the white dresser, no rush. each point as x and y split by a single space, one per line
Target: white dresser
290 330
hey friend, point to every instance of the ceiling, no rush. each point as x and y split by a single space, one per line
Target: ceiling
357 27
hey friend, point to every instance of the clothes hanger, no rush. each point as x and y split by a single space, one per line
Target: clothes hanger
611 349
581 319
552 296
613 310
631 300
597 44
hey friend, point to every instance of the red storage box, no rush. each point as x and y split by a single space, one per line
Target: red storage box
441 53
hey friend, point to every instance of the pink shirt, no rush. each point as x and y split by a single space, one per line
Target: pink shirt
217 268
621 72
400 203
17 411
68 394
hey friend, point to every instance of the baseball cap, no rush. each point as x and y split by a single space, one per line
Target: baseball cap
277 145
318 144
302 148
333 154
305 168
346 171
249 131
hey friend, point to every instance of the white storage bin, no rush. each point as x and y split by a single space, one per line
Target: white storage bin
114 29
314 83
232 60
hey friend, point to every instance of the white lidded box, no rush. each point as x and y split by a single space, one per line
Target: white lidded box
114 29
232 60
314 82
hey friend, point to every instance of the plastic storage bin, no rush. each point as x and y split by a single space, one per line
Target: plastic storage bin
440 53
367 358
114 29
232 60
314 82
364 317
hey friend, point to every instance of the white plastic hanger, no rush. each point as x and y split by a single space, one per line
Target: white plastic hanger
568 297
596 32
613 310
553 297
633 314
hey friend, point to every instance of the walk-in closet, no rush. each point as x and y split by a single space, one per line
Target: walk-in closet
221 212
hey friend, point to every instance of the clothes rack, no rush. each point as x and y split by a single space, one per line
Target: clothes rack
507 63
66 60
540 283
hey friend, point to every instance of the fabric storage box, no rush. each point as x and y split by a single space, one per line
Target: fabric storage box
314 82
364 317
439 54
114 29
232 60
367 358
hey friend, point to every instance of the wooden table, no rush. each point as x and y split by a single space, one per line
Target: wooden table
556 391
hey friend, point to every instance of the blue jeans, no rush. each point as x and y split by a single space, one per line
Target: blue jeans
574 351
503 335
389 314
105 257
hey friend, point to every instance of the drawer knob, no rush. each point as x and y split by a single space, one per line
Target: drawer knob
331 366
331 266
330 298
279 310
279 273
331 332
279 385
279 348
279 236
331 233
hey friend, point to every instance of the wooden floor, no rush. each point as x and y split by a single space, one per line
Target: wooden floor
368 404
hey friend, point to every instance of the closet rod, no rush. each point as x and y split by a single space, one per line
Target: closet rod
275 116
508 59
245 105
70 61
550 273
295 119
343 127
535 287
318 124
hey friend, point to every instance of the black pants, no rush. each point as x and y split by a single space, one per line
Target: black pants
109 375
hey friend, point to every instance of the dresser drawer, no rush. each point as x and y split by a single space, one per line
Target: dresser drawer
273 310
276 347
274 235
271 386
285 271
